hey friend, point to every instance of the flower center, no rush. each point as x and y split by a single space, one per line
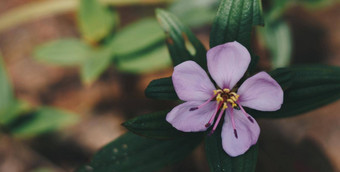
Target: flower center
226 97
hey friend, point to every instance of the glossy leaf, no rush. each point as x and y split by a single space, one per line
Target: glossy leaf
161 89
97 62
153 125
234 21
65 52
150 60
137 36
95 21
220 161
132 153
277 37
305 88
43 120
181 42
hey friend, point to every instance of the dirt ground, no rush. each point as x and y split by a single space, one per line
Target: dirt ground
309 142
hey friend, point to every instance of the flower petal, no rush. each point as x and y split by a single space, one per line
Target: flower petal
261 92
247 133
185 120
227 63
191 82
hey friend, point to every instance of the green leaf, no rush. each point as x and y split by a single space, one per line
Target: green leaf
277 37
137 36
181 42
220 161
195 13
161 89
97 62
146 61
43 120
95 21
234 21
64 52
153 125
132 153
13 111
305 88
6 91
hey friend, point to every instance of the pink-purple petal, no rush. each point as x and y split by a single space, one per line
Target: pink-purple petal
247 133
261 92
191 82
185 120
227 63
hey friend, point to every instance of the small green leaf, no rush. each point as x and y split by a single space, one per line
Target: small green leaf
6 91
234 21
181 42
137 36
132 153
45 119
153 125
161 89
97 62
64 52
145 61
305 88
195 13
13 111
95 21
220 161
277 38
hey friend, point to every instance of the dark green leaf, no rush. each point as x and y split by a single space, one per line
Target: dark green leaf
95 21
153 125
182 43
162 89
132 153
220 161
305 88
45 119
65 52
234 21
13 111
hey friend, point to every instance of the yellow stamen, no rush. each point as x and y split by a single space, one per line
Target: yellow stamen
226 90
230 101
225 106
219 98
234 99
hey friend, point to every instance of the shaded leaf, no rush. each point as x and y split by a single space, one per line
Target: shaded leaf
153 125
65 52
43 120
181 42
95 21
161 89
305 88
6 91
132 153
234 21
220 161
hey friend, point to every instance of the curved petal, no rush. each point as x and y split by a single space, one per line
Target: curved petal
191 82
185 120
227 63
247 133
261 92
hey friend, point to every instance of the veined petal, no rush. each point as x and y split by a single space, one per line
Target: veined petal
247 133
191 82
185 120
261 92
227 63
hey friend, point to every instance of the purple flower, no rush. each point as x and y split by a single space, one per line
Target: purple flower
205 103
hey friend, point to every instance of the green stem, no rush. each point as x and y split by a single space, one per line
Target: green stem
47 8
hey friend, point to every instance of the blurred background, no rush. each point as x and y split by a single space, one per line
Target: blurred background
72 71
